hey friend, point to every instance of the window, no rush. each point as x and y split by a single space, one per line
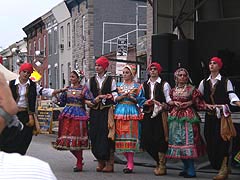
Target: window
29 48
68 73
45 78
55 40
62 35
49 42
34 46
75 31
49 77
62 74
84 28
68 35
44 45
39 44
56 75
61 38
76 66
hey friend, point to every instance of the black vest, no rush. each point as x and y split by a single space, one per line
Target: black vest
106 89
220 96
30 97
157 94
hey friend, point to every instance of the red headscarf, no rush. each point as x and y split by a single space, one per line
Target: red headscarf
157 65
102 61
26 67
218 61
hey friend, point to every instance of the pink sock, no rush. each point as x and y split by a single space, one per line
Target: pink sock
130 160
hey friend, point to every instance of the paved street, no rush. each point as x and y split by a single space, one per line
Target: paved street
62 163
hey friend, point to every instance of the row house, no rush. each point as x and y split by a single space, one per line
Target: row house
50 35
96 25
64 22
82 49
37 42
51 27
75 32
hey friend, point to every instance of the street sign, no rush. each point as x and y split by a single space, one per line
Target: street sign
122 48
122 51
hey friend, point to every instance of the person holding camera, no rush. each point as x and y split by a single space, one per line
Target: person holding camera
15 166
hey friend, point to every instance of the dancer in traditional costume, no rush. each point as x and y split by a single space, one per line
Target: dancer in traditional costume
185 141
127 116
217 90
102 125
73 120
155 127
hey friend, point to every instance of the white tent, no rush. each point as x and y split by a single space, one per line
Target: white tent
9 75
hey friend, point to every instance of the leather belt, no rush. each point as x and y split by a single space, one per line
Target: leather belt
77 105
21 109
126 102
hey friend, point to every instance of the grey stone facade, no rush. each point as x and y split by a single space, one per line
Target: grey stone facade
90 15
81 39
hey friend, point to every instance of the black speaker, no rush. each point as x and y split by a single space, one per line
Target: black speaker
217 10
161 49
211 10
182 54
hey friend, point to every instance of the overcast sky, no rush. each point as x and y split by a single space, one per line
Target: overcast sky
16 14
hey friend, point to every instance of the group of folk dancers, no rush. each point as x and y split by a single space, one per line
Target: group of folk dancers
128 117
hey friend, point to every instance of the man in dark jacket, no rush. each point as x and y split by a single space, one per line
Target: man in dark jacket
25 93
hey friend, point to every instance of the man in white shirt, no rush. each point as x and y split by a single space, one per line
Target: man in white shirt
15 166
25 93
217 90
155 130
102 86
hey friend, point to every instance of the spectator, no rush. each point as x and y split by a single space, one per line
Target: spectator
15 166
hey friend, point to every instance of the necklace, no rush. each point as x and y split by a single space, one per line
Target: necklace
180 90
127 87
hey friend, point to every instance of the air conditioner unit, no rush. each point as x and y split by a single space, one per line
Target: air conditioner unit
62 46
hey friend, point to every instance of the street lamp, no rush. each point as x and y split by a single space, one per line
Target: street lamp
18 57
38 54
22 55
